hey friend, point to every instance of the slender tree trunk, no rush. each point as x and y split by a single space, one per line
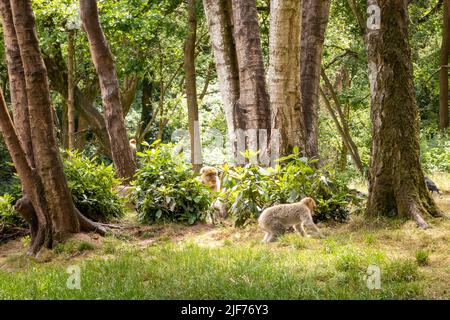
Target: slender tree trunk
284 74
443 73
314 23
70 93
344 124
81 133
128 93
252 112
219 16
191 88
17 83
109 85
45 149
396 180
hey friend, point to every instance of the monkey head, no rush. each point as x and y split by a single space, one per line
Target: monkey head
208 171
310 203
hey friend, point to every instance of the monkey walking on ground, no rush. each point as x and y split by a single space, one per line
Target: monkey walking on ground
210 177
275 220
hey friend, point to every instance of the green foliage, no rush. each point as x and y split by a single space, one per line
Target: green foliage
8 216
422 257
251 189
93 187
166 188
435 150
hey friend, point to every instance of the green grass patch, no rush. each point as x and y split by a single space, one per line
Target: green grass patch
305 270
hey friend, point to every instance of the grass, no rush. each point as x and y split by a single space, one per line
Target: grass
205 262
240 268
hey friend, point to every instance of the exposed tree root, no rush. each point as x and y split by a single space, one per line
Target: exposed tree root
39 230
88 225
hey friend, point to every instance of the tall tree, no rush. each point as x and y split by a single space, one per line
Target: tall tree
396 180
109 85
47 203
191 88
315 15
70 91
219 16
252 111
443 73
45 149
17 83
284 74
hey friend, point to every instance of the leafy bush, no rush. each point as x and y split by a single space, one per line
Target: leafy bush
435 150
93 187
8 216
251 189
167 189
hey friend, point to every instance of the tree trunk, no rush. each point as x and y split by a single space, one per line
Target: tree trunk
45 149
128 93
70 91
443 73
191 88
109 85
38 218
396 180
219 16
314 23
252 112
344 124
284 74
81 133
17 83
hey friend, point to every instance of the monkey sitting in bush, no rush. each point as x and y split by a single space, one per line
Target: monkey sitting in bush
210 176
275 220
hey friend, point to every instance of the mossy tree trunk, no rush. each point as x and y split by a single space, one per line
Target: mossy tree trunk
396 180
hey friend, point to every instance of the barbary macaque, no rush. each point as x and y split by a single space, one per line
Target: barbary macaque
133 145
210 176
275 220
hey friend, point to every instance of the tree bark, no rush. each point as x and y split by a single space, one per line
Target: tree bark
396 180
109 85
128 93
38 218
443 73
284 74
45 149
252 112
191 88
314 23
219 16
17 83
70 91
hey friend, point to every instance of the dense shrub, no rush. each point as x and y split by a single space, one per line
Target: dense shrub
251 189
435 150
8 216
167 189
93 187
